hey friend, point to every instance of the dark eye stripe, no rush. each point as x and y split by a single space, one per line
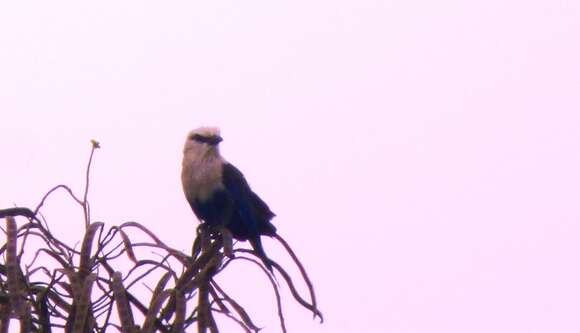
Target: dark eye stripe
200 138
212 140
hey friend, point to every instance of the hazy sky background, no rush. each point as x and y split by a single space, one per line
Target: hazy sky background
421 156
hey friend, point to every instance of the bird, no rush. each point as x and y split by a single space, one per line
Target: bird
220 195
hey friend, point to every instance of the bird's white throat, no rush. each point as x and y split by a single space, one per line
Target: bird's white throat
201 174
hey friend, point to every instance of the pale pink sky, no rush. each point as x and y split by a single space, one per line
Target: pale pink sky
422 156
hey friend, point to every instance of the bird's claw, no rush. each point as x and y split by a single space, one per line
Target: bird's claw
227 240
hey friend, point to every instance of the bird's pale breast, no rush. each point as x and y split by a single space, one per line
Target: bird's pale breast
201 178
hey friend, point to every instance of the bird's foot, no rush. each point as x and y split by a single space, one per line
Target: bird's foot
227 240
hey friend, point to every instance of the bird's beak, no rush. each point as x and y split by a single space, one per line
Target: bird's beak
215 140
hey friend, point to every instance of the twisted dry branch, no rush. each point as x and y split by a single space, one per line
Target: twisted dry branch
60 294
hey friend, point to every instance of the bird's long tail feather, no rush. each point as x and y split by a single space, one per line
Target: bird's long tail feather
257 245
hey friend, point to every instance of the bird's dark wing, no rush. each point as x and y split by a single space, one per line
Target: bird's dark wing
252 215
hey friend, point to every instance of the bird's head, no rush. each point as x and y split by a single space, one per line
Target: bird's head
203 140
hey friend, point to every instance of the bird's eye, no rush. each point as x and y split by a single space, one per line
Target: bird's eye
201 138
196 137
